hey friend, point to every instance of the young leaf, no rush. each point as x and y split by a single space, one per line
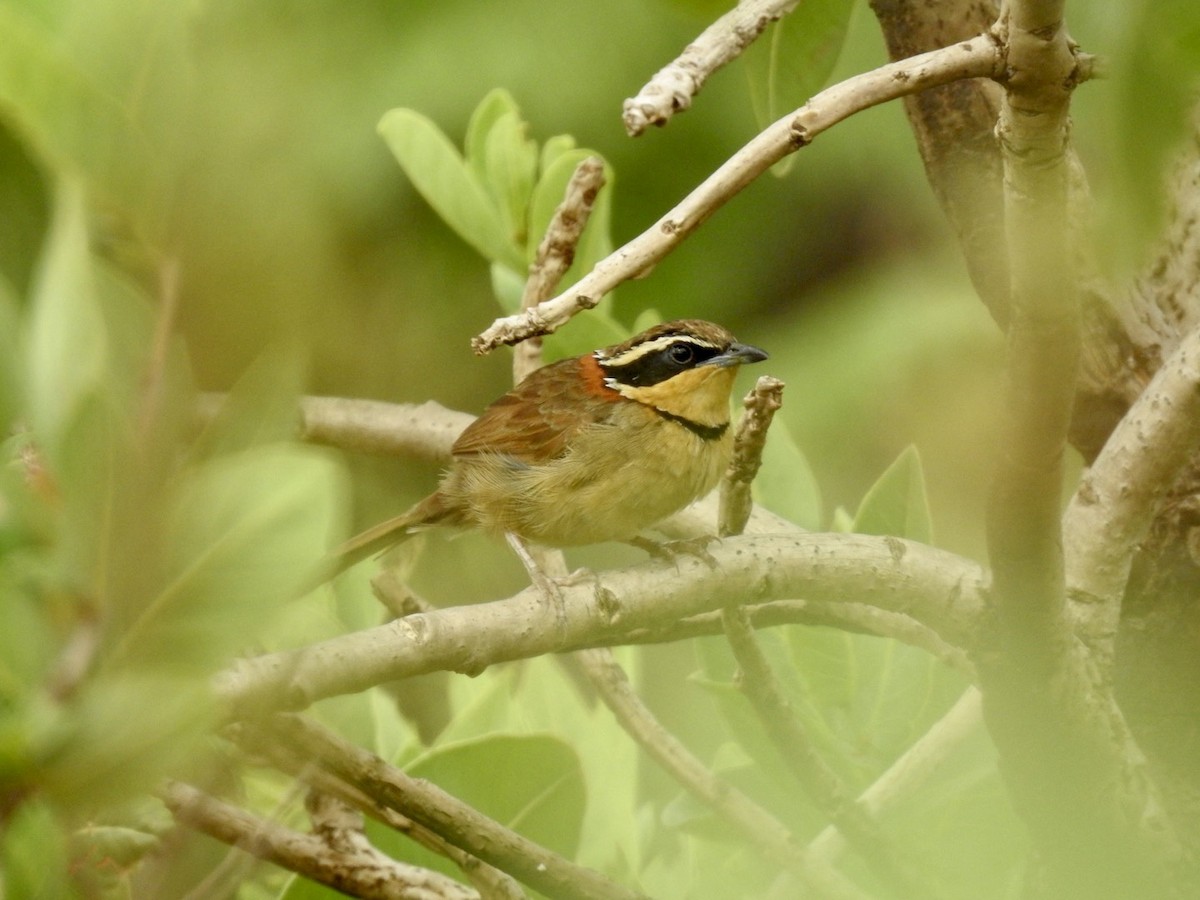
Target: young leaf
553 149
497 104
897 504
447 184
511 163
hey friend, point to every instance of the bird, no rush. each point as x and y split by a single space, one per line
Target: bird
589 449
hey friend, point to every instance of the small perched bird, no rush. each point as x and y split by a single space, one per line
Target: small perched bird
590 449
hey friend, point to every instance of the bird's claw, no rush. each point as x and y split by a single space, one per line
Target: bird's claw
671 551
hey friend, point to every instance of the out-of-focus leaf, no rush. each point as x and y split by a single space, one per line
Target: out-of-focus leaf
10 355
262 407
438 172
67 344
246 532
93 471
585 333
508 287
786 484
793 60
897 504
496 104
70 120
511 160
1154 71
33 855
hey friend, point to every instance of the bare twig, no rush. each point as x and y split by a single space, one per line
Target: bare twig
453 820
761 405
938 589
556 252
977 58
762 829
490 881
672 89
355 867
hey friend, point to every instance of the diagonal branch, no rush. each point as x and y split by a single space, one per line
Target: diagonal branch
359 870
1121 493
433 808
977 58
671 90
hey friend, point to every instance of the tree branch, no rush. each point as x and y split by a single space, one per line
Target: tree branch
672 89
352 867
938 589
1119 496
428 805
1058 730
977 58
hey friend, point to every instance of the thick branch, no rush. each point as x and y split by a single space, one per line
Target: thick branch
976 58
1120 494
936 588
1075 773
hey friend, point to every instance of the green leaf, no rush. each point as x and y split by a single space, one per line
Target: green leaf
897 504
507 287
1154 75
794 60
553 149
246 532
33 855
73 122
511 162
439 174
496 104
786 484
10 354
66 349
540 793
262 407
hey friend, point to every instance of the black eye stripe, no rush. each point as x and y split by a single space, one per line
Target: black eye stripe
658 362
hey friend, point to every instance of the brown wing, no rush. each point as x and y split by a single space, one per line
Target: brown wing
537 419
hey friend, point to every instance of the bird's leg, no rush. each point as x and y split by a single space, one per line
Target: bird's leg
537 574
671 551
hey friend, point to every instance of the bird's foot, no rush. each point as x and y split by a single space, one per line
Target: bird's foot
671 551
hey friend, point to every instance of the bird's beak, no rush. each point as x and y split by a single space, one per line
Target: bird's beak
737 355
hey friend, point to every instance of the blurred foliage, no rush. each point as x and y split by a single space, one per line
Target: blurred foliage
197 194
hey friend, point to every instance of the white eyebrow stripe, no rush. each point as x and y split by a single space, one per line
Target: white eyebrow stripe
633 354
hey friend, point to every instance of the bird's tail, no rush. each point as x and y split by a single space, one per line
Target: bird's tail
430 511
